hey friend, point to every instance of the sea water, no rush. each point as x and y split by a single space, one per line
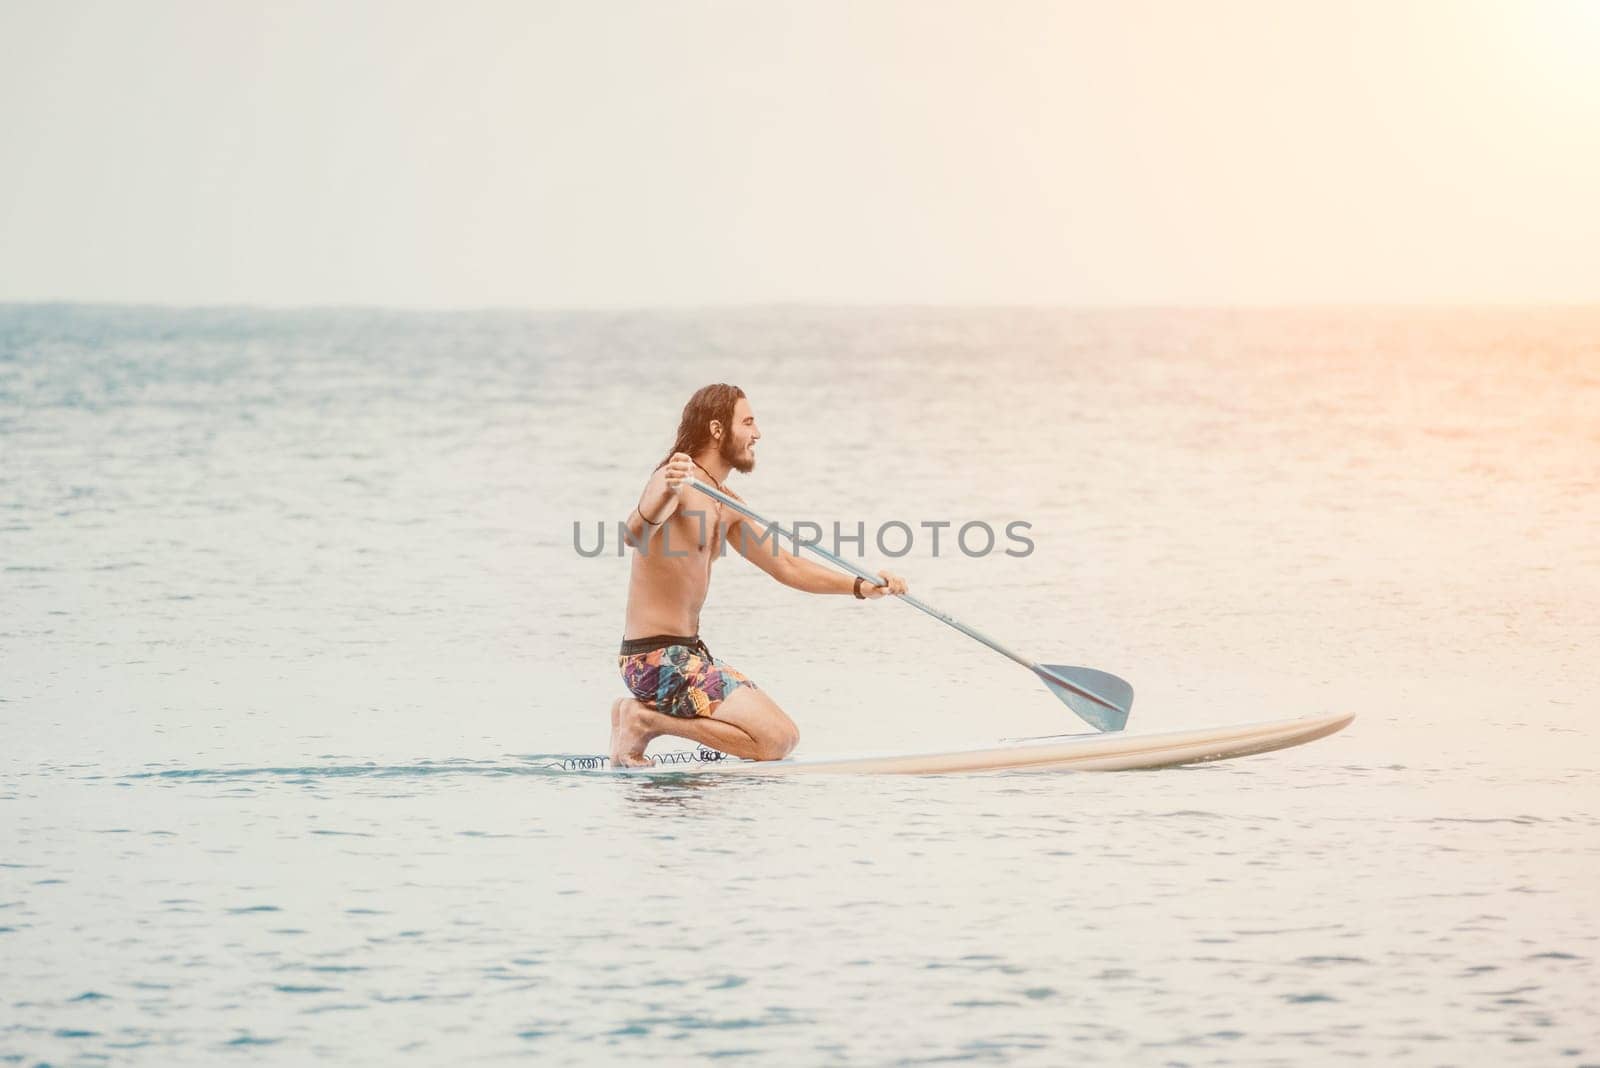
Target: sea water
292 622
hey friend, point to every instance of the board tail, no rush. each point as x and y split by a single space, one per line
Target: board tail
1116 692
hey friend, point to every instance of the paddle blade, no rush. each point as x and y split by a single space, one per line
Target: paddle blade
1100 698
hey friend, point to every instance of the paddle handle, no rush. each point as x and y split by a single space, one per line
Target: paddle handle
943 617
854 569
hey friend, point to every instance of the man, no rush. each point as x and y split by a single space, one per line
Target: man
677 532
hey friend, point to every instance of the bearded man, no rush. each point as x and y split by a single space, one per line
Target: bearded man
677 533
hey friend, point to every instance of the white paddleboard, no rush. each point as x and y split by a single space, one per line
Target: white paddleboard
1121 751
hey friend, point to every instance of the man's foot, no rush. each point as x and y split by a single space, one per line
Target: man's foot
629 734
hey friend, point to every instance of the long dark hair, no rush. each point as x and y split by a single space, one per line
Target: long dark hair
715 401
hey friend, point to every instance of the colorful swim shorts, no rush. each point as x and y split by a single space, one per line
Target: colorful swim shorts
677 675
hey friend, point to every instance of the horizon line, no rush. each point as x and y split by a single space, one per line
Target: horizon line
808 305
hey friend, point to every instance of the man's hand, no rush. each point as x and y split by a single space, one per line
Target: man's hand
679 470
896 585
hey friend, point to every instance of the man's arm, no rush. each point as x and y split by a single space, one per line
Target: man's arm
660 499
761 547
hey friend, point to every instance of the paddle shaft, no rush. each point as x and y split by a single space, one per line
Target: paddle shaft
943 617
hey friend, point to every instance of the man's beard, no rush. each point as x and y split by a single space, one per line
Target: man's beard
734 459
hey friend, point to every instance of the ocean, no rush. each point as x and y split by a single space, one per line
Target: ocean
294 620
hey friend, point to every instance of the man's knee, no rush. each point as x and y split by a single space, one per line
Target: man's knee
780 741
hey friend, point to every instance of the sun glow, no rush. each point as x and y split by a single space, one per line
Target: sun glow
1236 151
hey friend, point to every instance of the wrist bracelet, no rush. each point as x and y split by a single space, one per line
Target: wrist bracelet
859 595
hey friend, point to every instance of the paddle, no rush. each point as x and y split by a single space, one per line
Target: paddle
1099 698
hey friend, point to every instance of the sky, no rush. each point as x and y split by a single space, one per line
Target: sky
655 153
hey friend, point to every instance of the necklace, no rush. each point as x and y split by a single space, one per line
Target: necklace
708 474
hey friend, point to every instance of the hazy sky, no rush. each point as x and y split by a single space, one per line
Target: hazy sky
649 153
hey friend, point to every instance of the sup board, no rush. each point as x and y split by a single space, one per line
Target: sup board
1080 752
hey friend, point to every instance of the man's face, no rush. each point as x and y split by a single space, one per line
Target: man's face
738 446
